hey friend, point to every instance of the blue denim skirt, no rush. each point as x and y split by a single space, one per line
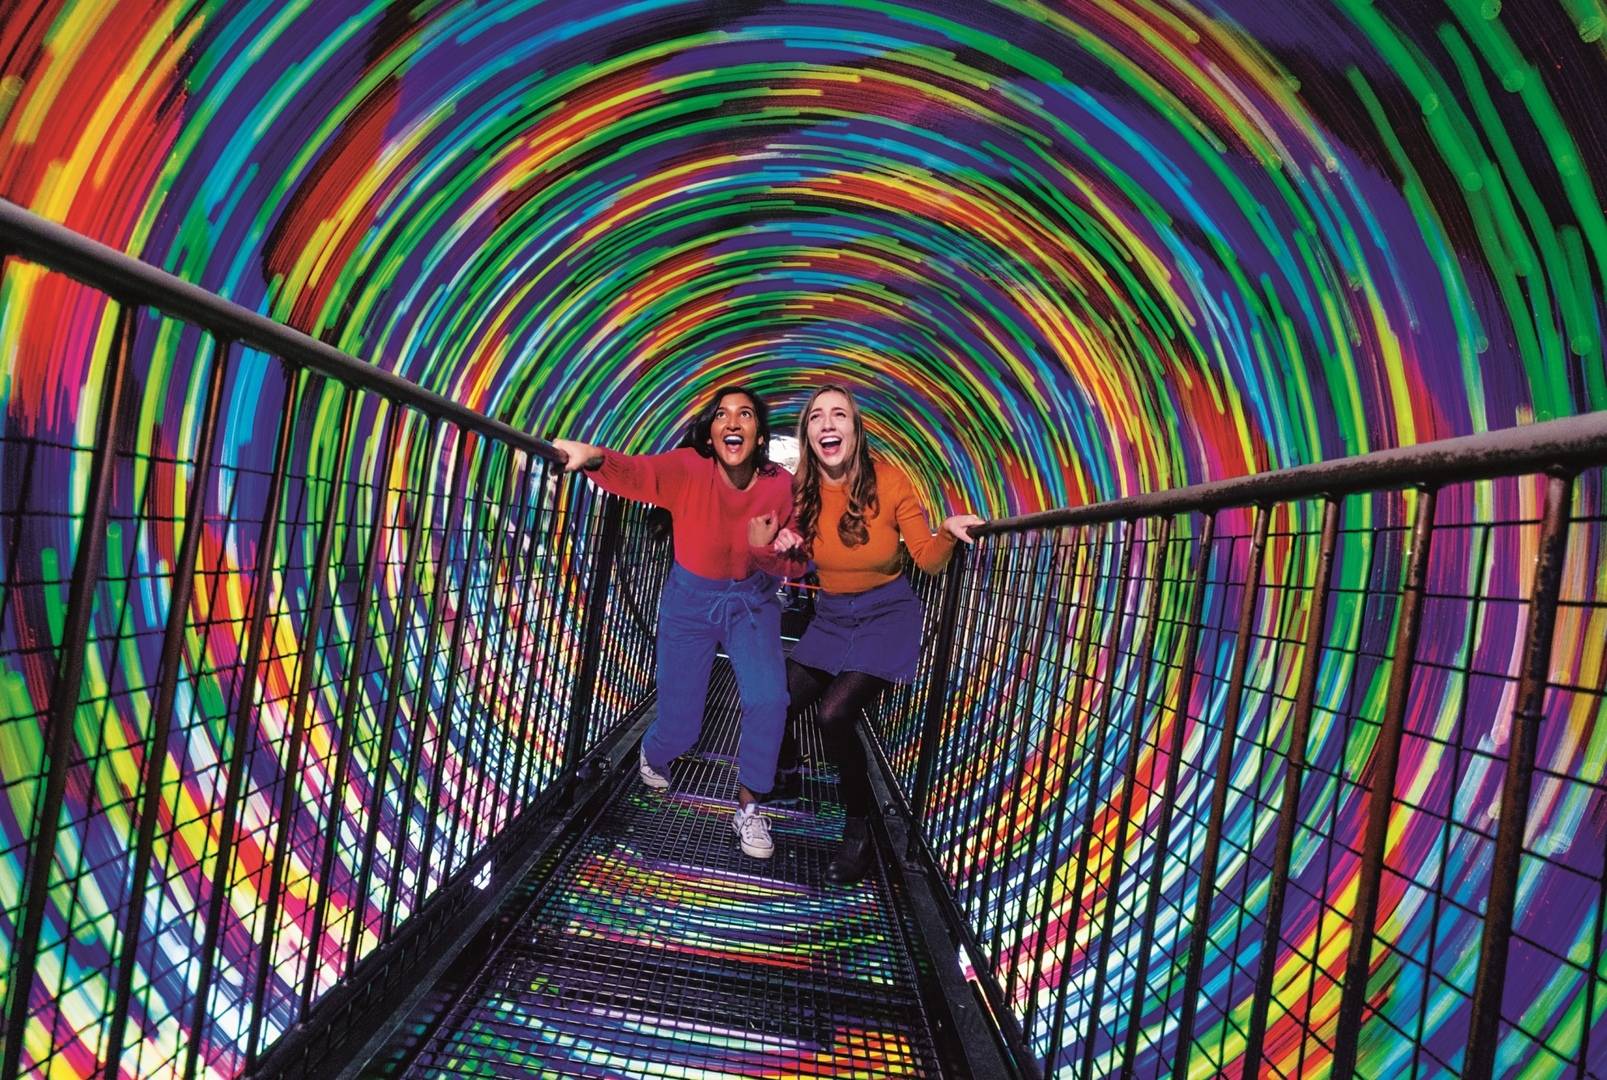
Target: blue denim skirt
877 632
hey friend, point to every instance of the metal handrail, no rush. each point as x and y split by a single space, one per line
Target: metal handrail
1575 440
1556 447
431 924
1557 450
1572 442
42 241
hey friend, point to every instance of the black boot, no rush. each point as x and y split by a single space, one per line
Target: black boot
854 855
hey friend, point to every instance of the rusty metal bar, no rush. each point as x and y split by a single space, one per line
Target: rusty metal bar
167 681
1174 760
1528 712
1386 763
1480 567
1294 774
111 432
1219 793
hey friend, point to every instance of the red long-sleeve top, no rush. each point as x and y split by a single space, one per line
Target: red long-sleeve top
711 517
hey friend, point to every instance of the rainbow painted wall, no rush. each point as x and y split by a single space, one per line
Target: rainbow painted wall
1065 251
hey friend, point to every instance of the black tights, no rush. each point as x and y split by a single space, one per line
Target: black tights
841 699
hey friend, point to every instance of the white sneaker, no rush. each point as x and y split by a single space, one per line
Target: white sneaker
651 776
753 828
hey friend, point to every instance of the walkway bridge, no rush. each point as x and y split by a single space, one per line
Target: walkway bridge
320 697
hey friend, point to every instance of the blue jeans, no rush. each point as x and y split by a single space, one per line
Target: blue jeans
695 615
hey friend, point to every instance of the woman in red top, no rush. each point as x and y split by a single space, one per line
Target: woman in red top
726 499
854 510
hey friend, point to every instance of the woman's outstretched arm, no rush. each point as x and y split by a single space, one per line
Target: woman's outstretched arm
930 551
649 478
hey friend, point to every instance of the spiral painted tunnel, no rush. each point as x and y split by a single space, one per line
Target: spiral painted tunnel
1063 251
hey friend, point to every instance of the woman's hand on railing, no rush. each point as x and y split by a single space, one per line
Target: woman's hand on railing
959 526
577 455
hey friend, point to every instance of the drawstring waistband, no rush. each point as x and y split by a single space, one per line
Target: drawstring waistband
725 597
720 606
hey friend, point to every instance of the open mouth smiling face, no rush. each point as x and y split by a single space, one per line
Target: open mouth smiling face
831 431
735 430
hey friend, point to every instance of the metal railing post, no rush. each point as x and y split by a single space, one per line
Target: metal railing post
1146 659
1025 834
1200 928
244 710
507 632
111 429
540 541
393 703
421 698
1386 764
1174 762
1083 643
348 718
449 700
1294 774
167 682
1121 559
1527 714
936 698
988 633
319 587
475 740
580 702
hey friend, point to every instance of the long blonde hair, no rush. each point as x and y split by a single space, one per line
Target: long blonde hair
859 482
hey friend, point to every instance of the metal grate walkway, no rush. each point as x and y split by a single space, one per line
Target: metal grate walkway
655 948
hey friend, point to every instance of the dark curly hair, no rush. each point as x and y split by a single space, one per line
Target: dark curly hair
699 436
699 433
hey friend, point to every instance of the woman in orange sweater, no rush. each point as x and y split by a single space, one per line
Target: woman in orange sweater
853 509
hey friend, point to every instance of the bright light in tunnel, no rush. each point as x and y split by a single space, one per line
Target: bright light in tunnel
784 451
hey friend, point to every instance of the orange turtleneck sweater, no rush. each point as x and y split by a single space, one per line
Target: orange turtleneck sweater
898 514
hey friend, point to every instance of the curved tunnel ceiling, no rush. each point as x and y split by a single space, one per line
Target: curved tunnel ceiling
1065 251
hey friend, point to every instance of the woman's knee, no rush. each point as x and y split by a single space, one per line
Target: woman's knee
836 720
